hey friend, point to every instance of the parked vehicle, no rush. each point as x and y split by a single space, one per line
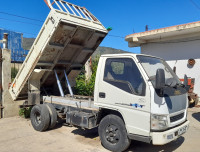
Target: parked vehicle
136 97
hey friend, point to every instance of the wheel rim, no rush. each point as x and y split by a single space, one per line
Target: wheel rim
37 118
112 134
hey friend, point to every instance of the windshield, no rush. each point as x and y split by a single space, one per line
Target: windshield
151 64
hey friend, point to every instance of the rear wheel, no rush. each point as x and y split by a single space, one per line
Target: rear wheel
113 133
53 115
40 117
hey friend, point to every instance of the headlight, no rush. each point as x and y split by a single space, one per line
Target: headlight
158 122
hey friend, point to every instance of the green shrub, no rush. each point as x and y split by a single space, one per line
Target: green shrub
14 72
84 87
25 112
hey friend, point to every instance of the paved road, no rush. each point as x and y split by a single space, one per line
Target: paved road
17 135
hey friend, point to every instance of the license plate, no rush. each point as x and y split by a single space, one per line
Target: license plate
182 130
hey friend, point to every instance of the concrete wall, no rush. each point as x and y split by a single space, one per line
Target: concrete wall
88 70
177 54
11 108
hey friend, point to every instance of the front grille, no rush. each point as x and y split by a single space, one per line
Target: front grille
177 117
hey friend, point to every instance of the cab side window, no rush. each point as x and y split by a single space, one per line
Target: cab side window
125 75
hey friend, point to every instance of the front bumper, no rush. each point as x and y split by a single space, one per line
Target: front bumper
161 138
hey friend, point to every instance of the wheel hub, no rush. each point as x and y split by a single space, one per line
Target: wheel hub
112 134
37 118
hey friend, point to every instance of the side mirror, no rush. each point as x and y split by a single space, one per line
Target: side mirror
160 79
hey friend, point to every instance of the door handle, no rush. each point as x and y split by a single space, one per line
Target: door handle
102 95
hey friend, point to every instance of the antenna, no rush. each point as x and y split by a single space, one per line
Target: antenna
146 28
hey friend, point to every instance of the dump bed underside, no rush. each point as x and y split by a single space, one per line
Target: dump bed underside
65 42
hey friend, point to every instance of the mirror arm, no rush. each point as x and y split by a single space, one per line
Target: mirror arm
161 91
187 87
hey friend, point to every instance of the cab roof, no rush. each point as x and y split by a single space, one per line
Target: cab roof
127 54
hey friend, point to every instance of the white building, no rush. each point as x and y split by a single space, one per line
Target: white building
176 44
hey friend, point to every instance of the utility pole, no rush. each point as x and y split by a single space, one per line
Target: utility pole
146 28
5 41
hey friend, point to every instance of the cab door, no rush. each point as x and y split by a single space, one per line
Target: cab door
122 87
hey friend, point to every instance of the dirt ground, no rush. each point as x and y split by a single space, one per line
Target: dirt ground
17 135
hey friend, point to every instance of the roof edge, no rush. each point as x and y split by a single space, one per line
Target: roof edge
181 26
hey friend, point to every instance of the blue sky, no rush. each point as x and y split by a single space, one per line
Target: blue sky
125 17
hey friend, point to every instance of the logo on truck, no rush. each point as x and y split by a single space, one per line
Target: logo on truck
132 105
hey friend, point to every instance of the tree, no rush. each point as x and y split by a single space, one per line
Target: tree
84 87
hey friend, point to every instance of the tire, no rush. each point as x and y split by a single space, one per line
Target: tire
40 117
53 115
113 133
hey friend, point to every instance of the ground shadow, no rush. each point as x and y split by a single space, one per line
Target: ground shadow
87 133
196 116
137 146
59 124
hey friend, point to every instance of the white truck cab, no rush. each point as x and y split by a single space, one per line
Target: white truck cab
126 83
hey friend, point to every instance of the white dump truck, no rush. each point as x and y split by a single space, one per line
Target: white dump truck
136 97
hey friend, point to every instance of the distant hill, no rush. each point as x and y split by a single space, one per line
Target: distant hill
107 50
28 42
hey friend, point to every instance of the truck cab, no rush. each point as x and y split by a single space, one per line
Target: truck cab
145 93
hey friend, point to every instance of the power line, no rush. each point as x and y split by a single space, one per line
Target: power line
19 21
116 36
37 24
21 17
21 32
195 4
28 33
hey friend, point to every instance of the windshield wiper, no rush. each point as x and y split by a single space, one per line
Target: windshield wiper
176 85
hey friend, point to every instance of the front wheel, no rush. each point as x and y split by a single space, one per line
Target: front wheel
113 133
